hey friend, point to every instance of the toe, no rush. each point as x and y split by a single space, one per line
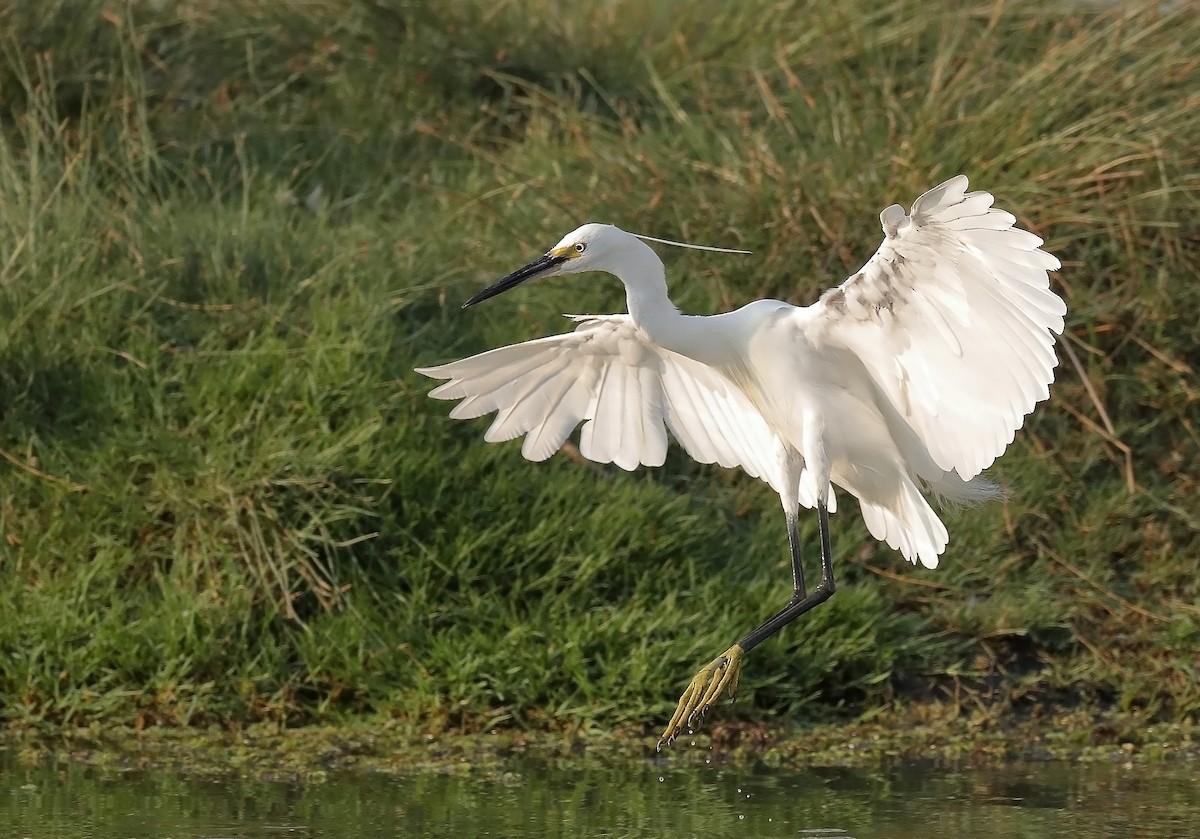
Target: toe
716 677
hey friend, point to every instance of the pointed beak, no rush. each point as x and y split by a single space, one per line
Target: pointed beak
538 267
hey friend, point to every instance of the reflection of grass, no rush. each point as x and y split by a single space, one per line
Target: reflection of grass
227 238
522 783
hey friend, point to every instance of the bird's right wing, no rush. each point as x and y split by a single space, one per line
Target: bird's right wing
625 389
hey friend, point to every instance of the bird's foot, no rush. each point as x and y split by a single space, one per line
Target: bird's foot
714 678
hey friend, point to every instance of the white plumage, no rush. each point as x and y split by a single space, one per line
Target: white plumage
625 389
951 321
909 378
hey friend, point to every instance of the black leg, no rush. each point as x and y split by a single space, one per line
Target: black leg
800 602
797 565
722 673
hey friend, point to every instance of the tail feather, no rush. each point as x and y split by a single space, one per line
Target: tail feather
908 524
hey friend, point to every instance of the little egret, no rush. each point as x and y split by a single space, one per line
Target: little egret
908 379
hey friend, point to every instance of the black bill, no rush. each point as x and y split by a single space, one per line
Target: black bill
539 266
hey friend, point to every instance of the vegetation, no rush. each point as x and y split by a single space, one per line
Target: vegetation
228 232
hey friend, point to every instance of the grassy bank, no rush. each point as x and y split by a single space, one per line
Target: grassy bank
228 233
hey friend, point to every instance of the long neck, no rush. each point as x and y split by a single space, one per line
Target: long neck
645 282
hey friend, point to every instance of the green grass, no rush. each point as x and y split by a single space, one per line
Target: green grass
226 238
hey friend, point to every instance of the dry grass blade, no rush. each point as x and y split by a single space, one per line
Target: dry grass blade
1108 432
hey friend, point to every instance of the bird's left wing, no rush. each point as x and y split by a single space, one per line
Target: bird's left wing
954 319
625 389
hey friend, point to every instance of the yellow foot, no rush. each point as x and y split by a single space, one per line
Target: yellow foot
706 688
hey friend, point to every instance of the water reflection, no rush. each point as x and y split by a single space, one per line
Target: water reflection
644 800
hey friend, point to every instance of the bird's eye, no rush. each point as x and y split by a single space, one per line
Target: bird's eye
580 247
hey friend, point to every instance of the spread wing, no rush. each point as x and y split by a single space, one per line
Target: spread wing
626 390
955 320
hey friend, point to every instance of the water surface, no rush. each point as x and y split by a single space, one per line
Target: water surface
641 799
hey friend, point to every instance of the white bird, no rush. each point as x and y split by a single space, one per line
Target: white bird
908 379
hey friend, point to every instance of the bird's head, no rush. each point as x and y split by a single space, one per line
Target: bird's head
592 247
